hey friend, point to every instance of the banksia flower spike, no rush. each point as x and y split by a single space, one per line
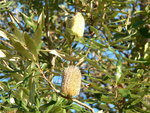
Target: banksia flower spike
71 82
76 24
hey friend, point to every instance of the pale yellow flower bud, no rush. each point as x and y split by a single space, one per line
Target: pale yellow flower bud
147 99
71 82
76 24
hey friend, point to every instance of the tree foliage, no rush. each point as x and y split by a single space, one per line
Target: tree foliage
113 56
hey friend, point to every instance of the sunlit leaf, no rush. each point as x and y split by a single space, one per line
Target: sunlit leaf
118 70
29 21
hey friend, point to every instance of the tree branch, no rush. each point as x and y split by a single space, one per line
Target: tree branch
58 92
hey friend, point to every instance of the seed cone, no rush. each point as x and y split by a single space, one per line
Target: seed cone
71 82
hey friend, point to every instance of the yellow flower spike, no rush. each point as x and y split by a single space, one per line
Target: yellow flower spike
75 25
71 82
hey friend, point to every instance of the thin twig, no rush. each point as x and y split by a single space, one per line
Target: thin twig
58 92
51 85
41 71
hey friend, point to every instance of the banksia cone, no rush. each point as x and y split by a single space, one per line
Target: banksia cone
76 24
71 82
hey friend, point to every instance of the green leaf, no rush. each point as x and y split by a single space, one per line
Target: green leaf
3 86
37 36
41 19
4 68
4 4
138 23
95 31
93 63
17 77
136 101
38 33
107 31
38 102
57 109
134 61
124 92
119 20
31 45
29 21
126 38
104 106
32 90
75 107
23 50
99 45
106 99
47 107
4 47
6 35
18 35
